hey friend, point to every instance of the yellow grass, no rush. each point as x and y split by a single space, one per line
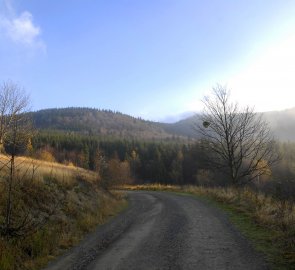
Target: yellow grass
82 205
41 169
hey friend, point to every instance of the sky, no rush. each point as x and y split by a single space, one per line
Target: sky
153 59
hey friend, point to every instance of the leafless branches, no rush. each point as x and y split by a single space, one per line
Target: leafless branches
237 140
14 103
27 204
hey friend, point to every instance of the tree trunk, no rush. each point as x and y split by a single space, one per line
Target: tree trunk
9 197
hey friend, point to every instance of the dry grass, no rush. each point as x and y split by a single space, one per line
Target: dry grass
269 222
83 206
41 170
266 210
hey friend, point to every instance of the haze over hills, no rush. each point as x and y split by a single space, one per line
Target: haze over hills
89 121
282 124
171 119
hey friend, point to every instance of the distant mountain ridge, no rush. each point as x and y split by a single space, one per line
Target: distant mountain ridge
282 123
89 121
108 123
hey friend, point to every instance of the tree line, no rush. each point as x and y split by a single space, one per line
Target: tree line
149 161
161 162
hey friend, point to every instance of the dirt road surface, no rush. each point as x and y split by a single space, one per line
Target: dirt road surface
163 231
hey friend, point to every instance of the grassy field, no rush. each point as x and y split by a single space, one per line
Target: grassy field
78 204
266 221
42 169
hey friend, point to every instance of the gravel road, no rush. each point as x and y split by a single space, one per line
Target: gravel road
163 231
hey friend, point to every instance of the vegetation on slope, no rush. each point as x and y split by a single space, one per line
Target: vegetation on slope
103 123
69 198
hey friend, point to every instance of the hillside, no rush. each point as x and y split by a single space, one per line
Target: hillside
53 207
98 122
282 123
106 123
186 127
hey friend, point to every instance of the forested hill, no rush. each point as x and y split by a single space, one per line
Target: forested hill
102 123
106 123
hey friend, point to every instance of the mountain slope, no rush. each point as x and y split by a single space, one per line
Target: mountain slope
98 122
107 123
282 123
185 127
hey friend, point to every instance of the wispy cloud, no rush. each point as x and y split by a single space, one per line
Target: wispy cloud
20 29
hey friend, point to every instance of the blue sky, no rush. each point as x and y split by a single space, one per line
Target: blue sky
151 59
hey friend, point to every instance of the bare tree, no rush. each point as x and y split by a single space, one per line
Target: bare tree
15 133
27 204
238 141
14 103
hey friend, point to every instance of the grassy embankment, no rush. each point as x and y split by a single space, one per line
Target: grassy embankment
269 223
79 206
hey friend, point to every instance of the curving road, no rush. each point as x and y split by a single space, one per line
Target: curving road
163 231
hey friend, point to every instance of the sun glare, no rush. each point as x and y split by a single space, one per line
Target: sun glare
269 82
